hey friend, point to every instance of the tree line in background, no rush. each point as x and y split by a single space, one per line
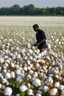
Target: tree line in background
31 10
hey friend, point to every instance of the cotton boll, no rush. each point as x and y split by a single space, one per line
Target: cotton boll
39 55
48 58
41 74
4 80
28 85
0 86
45 88
28 45
51 53
37 65
45 70
33 54
7 75
31 72
12 74
26 58
22 38
59 43
63 79
36 82
60 78
17 48
30 92
29 68
4 71
57 40
28 62
0 68
12 65
31 58
18 56
8 70
51 75
6 64
28 54
18 71
7 91
1 60
17 66
35 74
6 57
61 66
23 88
49 81
23 50
57 84
30 51
50 67
21 80
42 53
45 52
34 60
14 57
57 76
7 51
3 87
36 56
8 61
38 51
61 87
57 68
44 78
18 78
38 94
39 91
28 77
1 76
49 46
25 68
2 38
56 72
43 61
17 94
53 92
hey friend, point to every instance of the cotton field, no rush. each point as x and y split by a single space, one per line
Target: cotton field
24 71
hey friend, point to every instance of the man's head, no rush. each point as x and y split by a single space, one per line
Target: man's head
36 27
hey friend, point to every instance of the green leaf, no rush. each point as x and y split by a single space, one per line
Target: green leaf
23 93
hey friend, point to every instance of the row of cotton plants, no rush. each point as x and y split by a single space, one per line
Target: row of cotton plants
27 72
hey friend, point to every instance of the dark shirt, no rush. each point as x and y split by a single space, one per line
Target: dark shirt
40 35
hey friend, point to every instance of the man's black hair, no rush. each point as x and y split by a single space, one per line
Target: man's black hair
35 25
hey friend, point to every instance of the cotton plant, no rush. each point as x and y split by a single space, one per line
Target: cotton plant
30 72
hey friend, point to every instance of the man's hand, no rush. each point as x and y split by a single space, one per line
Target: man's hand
35 44
38 44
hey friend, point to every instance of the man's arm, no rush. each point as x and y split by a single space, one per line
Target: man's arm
43 38
40 42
